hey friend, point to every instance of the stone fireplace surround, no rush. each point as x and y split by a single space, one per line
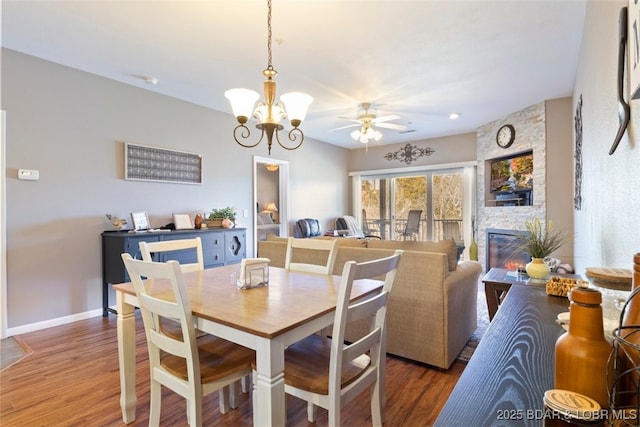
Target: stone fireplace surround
530 135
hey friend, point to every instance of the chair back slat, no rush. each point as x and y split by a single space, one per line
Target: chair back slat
367 308
147 249
360 347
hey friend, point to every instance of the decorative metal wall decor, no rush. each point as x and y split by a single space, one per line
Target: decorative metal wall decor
624 110
409 153
143 163
577 197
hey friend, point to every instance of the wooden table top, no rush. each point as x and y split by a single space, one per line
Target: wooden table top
505 380
291 299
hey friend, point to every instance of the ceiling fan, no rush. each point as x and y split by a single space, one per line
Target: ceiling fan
368 122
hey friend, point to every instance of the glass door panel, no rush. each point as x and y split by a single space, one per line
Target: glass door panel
409 193
375 207
447 203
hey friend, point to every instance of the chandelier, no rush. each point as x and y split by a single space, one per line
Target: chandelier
366 133
268 113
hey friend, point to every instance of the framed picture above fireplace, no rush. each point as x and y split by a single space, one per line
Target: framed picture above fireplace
511 179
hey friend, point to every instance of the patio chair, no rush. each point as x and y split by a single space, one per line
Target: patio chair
412 228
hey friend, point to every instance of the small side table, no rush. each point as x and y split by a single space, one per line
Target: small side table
496 285
498 281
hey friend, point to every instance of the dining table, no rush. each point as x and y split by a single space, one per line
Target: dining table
266 319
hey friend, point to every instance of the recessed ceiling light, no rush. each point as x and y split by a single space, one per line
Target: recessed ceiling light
454 116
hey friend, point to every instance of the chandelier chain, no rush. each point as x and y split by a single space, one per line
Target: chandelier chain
269 64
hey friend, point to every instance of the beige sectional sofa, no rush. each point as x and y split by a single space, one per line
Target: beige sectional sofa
432 307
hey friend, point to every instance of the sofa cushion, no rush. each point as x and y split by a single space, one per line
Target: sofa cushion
447 247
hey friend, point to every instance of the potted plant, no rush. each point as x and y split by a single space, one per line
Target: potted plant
539 242
217 217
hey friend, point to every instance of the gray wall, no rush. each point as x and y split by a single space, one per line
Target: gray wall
67 124
608 225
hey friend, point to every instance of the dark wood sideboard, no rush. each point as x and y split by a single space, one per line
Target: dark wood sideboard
219 247
505 380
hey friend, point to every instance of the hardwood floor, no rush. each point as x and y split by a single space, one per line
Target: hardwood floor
71 379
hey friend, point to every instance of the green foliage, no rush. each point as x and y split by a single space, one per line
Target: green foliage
221 213
541 241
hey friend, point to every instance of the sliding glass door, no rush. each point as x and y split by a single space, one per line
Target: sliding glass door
386 200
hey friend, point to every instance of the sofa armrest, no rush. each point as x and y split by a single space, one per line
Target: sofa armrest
460 312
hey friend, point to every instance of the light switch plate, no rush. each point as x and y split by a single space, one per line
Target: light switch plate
28 174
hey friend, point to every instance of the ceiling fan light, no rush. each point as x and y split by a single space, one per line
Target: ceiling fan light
454 116
376 135
242 101
355 134
296 105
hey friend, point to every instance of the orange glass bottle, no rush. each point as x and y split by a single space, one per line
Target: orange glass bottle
582 352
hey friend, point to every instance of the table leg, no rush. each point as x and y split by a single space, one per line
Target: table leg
494 293
127 358
269 384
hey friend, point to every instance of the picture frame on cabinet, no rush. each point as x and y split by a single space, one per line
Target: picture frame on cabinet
182 221
140 221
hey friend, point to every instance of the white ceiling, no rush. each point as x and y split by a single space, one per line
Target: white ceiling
418 59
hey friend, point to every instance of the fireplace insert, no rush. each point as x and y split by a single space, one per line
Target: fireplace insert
502 249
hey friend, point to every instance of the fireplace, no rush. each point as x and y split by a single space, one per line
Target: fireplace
502 251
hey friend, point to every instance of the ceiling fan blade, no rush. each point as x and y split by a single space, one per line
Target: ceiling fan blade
350 119
345 127
385 118
391 126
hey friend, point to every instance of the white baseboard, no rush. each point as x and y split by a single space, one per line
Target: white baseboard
32 327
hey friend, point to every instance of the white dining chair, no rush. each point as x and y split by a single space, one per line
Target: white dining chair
328 373
191 367
147 250
328 246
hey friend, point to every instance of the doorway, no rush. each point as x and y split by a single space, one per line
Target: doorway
3 235
270 198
